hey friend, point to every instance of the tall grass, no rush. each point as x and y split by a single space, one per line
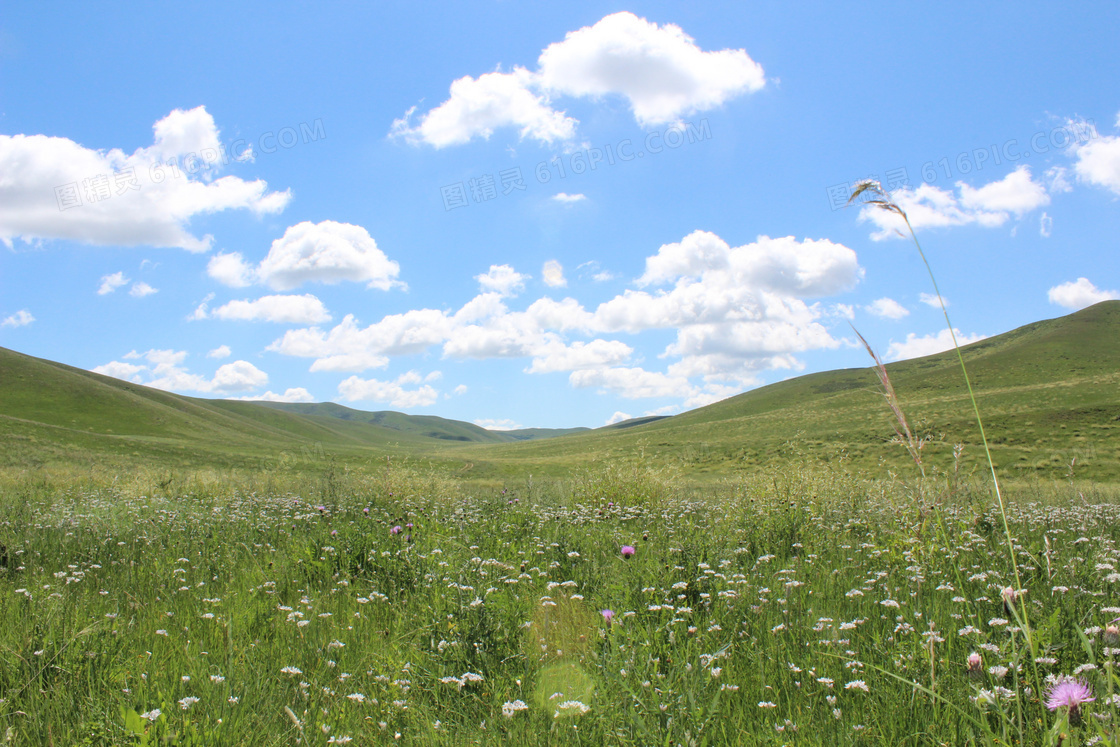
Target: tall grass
1014 596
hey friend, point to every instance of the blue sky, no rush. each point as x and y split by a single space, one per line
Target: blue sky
393 205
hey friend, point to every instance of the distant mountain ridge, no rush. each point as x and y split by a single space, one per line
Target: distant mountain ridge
1047 391
429 426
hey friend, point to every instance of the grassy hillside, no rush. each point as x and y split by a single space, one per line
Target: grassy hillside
1047 391
50 412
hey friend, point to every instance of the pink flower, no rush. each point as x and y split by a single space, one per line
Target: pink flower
627 551
607 615
395 530
1069 694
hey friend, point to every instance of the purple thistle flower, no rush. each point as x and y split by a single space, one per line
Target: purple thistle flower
395 530
1069 694
627 551
607 615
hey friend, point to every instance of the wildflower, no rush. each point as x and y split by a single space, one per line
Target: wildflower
151 715
292 670
510 708
395 530
1069 694
628 551
607 615
357 697
1111 635
767 704
857 685
573 706
187 702
975 666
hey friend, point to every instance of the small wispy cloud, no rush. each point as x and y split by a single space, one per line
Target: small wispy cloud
19 319
567 199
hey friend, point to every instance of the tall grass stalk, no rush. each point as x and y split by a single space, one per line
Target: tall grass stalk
883 201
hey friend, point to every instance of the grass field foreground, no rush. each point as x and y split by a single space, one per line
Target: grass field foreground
618 607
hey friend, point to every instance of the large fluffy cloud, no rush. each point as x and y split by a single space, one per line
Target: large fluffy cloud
55 188
328 252
659 70
163 369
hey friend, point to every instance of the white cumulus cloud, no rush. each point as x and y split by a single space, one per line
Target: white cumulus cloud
231 269
887 308
478 106
989 206
55 188
659 70
286 309
1098 160
503 280
110 283
326 252
916 347
1079 294
733 311
394 392
21 318
163 369
141 289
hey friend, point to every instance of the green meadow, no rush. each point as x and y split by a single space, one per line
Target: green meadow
771 569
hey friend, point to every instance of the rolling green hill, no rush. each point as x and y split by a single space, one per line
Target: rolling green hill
429 426
1048 393
50 412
